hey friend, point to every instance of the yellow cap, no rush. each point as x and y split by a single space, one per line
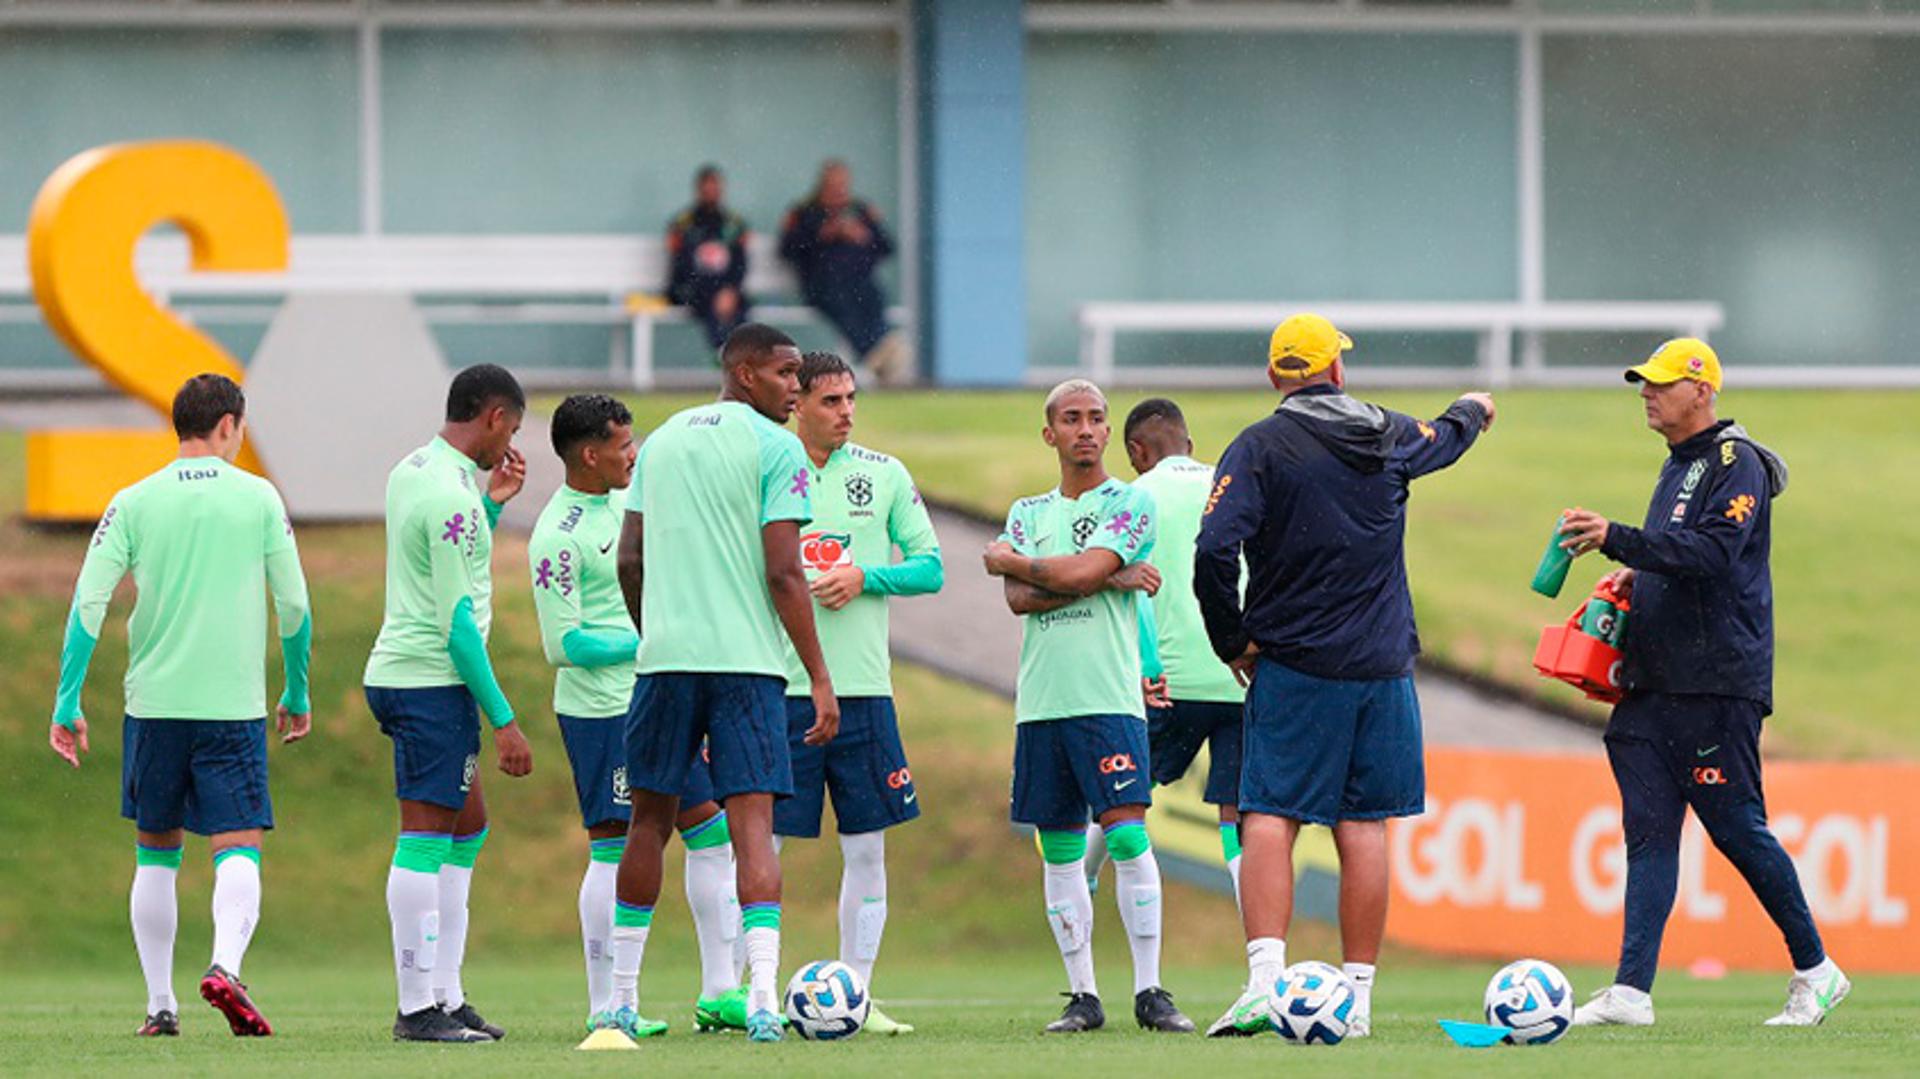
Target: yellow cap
1682 357
1304 346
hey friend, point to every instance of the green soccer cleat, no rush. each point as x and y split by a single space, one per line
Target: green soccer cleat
879 1022
764 1026
1248 1016
633 1024
728 1011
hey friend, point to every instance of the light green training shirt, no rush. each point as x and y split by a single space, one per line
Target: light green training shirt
439 551
584 624
205 541
1082 659
1180 487
707 481
864 505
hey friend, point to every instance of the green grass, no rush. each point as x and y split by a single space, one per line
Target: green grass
1840 533
981 1018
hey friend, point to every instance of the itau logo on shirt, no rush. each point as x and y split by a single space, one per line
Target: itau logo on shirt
822 551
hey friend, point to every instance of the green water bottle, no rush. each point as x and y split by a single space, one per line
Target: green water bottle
1552 574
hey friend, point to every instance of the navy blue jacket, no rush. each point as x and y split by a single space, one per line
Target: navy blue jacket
1701 618
1315 496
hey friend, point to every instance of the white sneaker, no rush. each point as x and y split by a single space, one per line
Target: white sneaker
1359 1026
1610 1008
1810 998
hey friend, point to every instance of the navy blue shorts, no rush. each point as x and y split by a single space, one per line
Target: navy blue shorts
436 741
1324 750
1066 771
597 752
741 717
1176 735
865 767
205 775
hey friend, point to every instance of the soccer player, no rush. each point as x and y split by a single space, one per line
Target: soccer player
200 537
1312 501
588 634
1073 560
1205 701
710 566
864 505
427 681
1697 664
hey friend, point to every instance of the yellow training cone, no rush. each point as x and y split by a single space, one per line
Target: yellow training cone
607 1038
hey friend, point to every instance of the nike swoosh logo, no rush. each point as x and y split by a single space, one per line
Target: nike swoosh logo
911 796
1707 751
1128 783
607 548
1825 996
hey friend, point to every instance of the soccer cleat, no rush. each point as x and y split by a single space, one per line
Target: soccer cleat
1247 1017
633 1024
161 1024
1083 1012
1810 999
764 1026
1609 1008
728 1011
1359 1026
1153 1009
430 1024
879 1022
228 996
474 1021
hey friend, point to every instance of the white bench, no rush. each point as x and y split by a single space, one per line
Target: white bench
531 279
1494 323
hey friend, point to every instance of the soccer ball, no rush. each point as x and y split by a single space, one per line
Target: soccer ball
826 1001
1311 1004
1532 999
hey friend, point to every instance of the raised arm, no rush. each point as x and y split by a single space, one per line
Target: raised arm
1425 447
1730 500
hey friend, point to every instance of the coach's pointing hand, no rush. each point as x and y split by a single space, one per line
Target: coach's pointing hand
1485 401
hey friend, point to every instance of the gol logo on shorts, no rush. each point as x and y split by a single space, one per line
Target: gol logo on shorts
1709 777
899 779
1119 762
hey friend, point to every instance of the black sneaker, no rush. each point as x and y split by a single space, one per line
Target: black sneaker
1153 1009
1083 1012
472 1020
161 1024
430 1024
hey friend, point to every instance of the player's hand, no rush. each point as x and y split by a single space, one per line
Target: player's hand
508 477
1242 667
292 726
837 587
998 558
1621 581
1485 401
70 744
516 756
1154 692
1582 531
1138 577
826 715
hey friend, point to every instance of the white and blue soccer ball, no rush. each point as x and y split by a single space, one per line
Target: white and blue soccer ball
1312 1003
1532 999
826 1001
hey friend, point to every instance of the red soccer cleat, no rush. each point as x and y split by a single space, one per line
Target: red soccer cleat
226 993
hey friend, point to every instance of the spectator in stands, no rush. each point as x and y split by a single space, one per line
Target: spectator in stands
707 249
834 242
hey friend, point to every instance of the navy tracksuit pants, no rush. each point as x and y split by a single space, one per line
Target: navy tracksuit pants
1674 751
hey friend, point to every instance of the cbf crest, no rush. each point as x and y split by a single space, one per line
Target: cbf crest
859 491
1083 531
622 794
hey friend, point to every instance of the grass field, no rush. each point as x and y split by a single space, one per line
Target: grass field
1840 533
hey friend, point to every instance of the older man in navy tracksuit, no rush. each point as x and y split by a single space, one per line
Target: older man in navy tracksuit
1315 496
1697 665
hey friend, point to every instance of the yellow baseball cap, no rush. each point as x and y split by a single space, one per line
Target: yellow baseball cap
1682 357
1304 346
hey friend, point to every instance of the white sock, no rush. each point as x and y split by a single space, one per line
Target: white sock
236 909
413 905
716 918
1826 968
629 948
1136 890
1361 975
763 970
1266 961
455 882
863 901
596 932
1629 995
1233 870
155 911
1070 912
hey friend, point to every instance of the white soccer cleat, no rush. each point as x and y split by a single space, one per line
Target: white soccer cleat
1609 1008
1809 999
1359 1025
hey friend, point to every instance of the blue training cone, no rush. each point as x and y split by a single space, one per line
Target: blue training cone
1473 1035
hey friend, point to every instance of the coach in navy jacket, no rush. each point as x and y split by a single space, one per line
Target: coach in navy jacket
1697 667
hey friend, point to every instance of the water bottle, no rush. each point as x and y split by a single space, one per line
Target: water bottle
1603 621
1552 574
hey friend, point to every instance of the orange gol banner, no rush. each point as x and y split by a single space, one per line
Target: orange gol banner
1522 854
